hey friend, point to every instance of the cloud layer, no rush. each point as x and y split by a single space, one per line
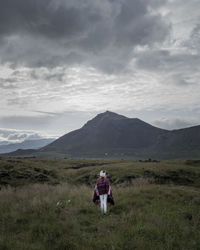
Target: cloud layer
56 32
15 136
64 61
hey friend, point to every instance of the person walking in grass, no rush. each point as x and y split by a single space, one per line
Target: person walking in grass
103 192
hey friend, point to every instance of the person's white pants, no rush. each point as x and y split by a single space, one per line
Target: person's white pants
103 202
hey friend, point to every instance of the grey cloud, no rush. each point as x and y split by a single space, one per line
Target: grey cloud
48 122
181 69
134 26
182 80
175 123
56 32
55 76
27 122
17 101
153 60
164 60
7 83
194 40
180 62
46 113
58 76
13 136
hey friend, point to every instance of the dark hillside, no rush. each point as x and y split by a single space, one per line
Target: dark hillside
181 143
107 132
114 136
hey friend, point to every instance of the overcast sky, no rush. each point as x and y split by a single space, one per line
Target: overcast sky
64 61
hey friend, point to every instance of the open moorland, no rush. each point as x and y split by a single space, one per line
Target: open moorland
47 204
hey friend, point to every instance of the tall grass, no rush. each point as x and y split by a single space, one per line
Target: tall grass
146 216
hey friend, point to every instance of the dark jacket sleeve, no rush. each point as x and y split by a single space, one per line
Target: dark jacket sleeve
107 186
95 197
110 198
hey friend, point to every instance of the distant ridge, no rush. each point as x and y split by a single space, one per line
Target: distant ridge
27 144
110 135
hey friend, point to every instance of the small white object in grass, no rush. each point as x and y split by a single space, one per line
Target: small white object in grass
69 201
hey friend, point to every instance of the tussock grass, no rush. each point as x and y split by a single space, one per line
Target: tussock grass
24 171
145 216
157 205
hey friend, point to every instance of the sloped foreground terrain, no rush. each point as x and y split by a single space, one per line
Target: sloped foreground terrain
47 204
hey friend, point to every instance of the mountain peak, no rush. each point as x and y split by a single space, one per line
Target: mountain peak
109 114
104 117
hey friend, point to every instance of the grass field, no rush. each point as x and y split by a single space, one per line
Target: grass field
47 204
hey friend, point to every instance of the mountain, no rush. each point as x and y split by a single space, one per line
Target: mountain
109 135
4 143
180 143
28 144
107 131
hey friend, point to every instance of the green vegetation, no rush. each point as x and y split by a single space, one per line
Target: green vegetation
47 204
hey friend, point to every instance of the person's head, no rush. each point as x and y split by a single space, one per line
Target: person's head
102 173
